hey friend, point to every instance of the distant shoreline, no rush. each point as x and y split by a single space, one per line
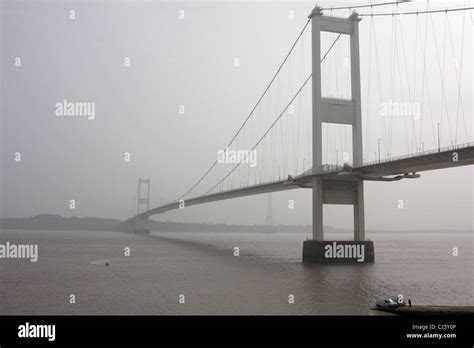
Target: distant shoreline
93 224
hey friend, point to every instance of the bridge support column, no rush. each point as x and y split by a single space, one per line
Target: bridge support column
318 232
142 226
359 222
318 250
341 111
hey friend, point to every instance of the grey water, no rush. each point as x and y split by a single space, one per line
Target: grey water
205 269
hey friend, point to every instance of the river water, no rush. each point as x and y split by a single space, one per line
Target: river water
203 268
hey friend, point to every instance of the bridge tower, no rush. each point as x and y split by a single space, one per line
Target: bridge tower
340 111
143 201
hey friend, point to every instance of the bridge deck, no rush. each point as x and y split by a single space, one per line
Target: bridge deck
455 156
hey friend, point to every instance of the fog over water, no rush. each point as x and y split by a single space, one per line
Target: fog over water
95 94
176 62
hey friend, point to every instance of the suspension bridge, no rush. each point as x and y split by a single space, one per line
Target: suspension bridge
319 125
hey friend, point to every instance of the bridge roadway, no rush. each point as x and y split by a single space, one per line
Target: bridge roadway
385 170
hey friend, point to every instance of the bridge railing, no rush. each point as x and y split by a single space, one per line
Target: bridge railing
420 153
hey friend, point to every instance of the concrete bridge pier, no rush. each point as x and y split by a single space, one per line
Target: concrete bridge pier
319 250
339 111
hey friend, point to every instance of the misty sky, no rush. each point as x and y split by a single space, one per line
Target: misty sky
186 61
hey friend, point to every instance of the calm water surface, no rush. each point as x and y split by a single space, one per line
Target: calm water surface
203 268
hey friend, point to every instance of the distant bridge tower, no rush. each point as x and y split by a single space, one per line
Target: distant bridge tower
340 111
143 201
269 218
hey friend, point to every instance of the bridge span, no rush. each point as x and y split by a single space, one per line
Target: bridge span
403 167
338 181
334 184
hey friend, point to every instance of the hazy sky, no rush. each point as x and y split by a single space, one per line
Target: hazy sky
190 61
